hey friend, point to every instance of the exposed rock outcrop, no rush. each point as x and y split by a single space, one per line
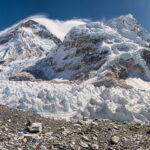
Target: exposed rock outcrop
22 76
146 56
118 73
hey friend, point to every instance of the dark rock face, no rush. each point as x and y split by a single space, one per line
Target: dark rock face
118 73
124 68
146 57
38 70
38 74
112 82
22 76
94 57
6 38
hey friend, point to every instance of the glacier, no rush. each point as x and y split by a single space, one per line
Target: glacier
62 99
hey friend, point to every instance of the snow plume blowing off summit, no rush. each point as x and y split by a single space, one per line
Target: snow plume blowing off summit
58 27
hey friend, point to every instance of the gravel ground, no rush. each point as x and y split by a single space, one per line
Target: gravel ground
73 135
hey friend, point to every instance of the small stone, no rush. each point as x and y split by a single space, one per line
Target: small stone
49 133
80 122
94 124
31 136
76 126
5 129
95 138
85 138
115 127
43 147
45 131
95 146
84 145
10 143
65 132
85 118
25 140
73 143
9 120
63 128
35 127
115 139
34 147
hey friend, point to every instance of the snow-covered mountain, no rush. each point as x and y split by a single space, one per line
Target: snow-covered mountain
28 39
115 49
99 70
23 45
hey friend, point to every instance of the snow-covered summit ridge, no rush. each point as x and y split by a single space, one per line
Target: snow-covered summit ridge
91 49
25 40
128 27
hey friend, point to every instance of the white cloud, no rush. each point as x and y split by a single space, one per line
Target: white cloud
58 27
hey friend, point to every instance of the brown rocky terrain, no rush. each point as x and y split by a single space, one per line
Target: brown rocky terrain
72 135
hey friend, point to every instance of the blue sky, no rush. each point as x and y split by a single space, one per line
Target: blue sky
12 11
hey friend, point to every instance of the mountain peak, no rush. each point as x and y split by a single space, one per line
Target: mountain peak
26 39
128 16
124 20
29 23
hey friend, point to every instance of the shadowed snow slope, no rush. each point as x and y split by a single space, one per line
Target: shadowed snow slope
91 57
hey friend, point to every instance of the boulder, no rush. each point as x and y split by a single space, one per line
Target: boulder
35 128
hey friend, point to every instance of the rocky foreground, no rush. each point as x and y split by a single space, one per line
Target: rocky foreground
73 135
